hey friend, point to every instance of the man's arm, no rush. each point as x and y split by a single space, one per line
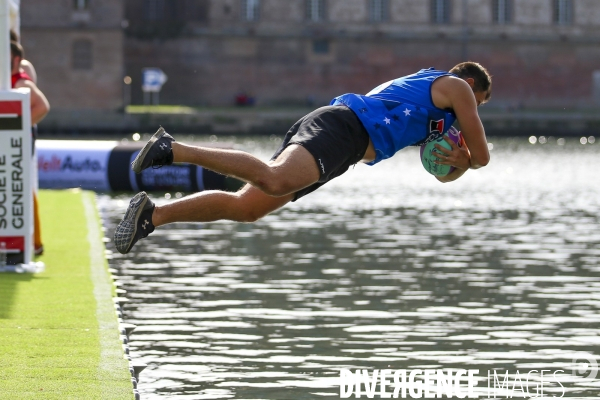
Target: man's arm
39 103
465 105
457 94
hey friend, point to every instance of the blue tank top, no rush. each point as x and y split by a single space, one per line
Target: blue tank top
400 113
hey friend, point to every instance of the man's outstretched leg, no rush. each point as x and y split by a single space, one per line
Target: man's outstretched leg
319 147
142 216
294 169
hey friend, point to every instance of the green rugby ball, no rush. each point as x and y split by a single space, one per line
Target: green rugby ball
429 153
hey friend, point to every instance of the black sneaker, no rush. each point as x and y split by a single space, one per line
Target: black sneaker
136 224
157 152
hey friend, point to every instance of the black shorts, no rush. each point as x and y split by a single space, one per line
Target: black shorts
334 136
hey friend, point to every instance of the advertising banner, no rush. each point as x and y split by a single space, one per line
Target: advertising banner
105 166
70 164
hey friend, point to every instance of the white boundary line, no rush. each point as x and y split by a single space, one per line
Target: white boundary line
112 363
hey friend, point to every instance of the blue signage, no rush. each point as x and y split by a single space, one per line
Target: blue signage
153 79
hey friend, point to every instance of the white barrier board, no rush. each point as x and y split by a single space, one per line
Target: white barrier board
16 189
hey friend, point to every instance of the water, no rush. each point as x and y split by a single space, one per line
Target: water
381 268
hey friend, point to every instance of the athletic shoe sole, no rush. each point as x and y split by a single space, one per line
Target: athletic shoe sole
127 228
136 165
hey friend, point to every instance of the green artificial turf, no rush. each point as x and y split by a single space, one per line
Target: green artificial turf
51 339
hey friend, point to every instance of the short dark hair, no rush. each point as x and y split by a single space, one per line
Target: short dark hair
13 36
16 50
481 76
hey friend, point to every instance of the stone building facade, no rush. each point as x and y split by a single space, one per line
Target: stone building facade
76 47
541 52
298 52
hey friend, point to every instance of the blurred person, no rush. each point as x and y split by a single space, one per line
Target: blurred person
244 99
322 145
20 79
26 66
39 107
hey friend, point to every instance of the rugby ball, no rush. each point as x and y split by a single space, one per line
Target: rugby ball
429 152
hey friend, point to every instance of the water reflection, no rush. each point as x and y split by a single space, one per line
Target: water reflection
382 268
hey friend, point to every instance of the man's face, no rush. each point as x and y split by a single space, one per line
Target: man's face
481 97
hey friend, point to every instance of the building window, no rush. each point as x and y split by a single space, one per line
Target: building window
502 11
250 10
315 10
154 10
81 5
82 54
379 10
440 11
196 11
563 12
320 46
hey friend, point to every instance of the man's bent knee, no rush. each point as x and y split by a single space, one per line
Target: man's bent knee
294 169
252 204
280 183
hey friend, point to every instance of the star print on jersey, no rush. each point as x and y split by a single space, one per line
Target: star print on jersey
406 112
387 120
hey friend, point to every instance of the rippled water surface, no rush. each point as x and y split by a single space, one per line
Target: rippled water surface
381 268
